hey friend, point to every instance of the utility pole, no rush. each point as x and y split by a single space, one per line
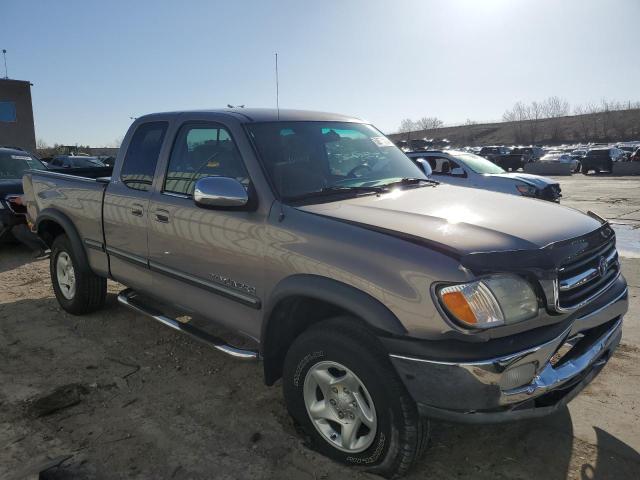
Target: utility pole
277 89
6 72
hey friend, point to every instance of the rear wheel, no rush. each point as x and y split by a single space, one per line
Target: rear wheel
77 289
348 401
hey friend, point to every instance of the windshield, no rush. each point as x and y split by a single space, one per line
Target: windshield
13 166
477 163
306 157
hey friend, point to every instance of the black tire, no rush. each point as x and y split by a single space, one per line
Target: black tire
91 290
401 436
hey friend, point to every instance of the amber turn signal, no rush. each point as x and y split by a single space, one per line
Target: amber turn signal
459 307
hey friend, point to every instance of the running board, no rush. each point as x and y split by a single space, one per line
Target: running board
128 299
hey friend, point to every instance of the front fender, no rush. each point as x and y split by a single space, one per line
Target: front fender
349 298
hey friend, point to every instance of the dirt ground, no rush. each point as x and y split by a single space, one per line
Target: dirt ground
116 395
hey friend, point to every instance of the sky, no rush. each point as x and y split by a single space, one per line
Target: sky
95 64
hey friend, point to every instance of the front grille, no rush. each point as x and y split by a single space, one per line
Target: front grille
586 276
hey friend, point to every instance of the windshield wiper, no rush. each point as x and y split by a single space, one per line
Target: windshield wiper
411 181
361 188
335 189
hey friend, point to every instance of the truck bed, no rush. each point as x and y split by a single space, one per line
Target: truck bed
78 198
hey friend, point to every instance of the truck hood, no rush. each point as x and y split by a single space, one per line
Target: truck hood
461 220
533 180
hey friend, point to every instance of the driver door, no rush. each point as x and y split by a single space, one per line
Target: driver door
206 261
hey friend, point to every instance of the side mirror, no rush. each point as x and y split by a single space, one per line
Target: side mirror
458 172
220 192
425 166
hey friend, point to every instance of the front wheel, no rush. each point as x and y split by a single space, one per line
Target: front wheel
348 401
77 289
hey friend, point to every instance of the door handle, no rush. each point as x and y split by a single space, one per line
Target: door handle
136 210
161 216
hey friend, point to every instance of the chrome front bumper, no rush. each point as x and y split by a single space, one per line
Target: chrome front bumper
488 391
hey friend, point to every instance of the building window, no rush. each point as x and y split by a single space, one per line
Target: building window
7 112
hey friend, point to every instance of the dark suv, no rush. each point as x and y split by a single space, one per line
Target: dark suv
597 159
13 164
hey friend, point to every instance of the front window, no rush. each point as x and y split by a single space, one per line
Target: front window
478 164
308 157
203 150
13 166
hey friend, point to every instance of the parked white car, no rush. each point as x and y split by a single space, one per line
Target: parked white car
470 170
561 157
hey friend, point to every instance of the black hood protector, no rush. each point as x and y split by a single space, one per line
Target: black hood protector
543 262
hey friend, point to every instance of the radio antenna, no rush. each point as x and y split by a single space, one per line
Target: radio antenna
277 89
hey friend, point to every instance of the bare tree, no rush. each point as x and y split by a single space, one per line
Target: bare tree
407 125
428 123
554 108
41 144
518 114
584 123
116 143
534 115
592 111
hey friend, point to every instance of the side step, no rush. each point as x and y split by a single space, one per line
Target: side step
128 298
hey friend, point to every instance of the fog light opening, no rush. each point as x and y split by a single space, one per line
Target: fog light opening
518 376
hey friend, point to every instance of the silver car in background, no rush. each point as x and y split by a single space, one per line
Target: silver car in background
470 170
556 156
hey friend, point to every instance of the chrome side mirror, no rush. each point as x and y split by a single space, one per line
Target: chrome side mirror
220 192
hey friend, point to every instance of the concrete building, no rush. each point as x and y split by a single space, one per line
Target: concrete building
16 115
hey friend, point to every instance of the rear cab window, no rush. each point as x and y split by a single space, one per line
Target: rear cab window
140 161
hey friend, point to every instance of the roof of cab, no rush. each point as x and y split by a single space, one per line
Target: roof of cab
250 115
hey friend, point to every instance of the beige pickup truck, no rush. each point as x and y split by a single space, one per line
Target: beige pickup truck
380 297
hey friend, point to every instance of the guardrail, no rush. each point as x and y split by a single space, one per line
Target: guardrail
626 168
547 168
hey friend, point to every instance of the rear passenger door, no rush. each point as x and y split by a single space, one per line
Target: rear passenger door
126 207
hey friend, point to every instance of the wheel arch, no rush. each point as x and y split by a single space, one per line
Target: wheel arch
52 223
300 301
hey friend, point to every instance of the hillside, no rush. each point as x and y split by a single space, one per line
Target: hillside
612 126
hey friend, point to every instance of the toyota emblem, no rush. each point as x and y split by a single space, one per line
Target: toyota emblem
602 266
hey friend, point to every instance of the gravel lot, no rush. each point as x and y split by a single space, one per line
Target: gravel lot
136 400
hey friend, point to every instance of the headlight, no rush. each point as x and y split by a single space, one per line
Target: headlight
527 190
490 302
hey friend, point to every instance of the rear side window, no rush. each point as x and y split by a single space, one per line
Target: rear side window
142 156
202 150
